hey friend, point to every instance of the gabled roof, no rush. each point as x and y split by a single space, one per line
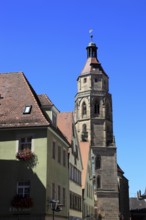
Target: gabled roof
84 148
45 101
15 94
64 123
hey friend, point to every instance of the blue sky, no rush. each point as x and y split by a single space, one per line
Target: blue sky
47 41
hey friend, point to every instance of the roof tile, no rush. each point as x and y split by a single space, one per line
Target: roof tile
16 93
84 148
89 65
64 123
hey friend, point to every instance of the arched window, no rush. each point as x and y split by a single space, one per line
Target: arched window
96 108
98 182
84 133
84 128
98 162
84 109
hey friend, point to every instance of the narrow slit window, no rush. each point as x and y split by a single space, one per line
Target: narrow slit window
98 182
84 109
98 162
85 80
97 108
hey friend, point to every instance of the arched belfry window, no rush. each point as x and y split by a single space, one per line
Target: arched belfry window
97 108
84 128
84 109
98 162
98 182
84 133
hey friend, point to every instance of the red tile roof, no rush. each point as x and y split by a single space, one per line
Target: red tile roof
16 93
89 65
84 148
64 123
92 64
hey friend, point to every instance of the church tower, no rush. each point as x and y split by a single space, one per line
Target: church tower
94 124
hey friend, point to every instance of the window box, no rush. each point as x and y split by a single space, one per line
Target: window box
22 202
25 154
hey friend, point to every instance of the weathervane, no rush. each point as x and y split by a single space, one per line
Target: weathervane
91 35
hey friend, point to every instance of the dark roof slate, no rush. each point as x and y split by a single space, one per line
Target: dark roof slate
137 204
119 169
16 93
45 101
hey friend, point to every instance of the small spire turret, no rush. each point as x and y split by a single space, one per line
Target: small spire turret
91 48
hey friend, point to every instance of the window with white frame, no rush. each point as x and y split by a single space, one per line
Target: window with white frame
74 174
27 109
23 189
25 143
75 201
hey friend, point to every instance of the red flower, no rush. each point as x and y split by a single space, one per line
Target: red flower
25 154
22 202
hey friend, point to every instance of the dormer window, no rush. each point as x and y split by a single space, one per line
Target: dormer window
27 109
